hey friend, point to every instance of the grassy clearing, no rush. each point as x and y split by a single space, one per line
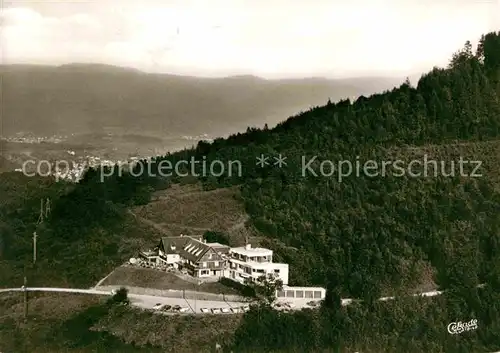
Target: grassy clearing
189 209
150 278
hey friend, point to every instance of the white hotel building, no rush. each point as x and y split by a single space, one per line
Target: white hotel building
214 260
247 262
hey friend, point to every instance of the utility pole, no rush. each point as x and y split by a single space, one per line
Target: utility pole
25 299
44 214
34 247
47 208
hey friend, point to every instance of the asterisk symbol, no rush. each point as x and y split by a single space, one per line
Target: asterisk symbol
262 161
280 161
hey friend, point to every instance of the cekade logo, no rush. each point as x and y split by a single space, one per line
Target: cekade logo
459 327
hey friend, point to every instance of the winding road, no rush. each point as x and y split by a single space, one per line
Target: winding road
194 306
140 300
149 301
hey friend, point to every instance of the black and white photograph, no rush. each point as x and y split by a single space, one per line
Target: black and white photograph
241 176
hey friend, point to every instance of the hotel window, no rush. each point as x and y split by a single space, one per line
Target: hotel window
281 294
309 294
203 264
317 294
216 264
299 294
290 294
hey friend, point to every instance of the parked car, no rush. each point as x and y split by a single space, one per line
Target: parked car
166 307
216 310
205 310
183 310
176 307
235 310
158 306
225 310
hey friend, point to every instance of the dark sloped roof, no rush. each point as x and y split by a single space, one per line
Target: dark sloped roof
188 247
167 243
194 250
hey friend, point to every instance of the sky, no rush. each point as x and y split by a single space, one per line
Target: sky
266 38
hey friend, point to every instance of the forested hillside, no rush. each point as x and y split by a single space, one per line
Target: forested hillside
361 236
84 237
366 235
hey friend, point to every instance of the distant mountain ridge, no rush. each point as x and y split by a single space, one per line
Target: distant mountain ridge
87 98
